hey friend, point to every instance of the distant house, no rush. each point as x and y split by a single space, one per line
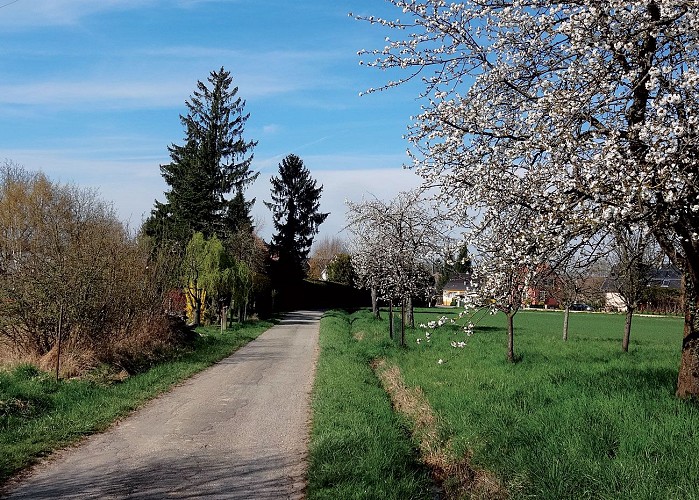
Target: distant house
543 293
666 277
456 289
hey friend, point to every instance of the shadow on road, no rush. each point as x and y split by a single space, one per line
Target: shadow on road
175 477
301 318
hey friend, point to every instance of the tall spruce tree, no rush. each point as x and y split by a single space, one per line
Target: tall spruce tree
295 203
211 165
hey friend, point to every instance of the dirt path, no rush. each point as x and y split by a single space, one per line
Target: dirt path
237 430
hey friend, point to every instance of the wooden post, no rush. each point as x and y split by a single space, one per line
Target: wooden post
60 333
402 323
390 318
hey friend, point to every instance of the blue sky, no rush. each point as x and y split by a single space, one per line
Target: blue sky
91 93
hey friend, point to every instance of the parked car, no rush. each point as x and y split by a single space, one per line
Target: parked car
581 307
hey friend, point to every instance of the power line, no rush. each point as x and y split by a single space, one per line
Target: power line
9 3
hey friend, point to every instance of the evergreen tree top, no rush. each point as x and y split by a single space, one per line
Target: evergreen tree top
210 170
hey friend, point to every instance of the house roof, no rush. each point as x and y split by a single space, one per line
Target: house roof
667 276
458 282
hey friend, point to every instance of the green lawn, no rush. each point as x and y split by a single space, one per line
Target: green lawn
38 414
576 419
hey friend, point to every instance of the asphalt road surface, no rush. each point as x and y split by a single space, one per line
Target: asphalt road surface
237 430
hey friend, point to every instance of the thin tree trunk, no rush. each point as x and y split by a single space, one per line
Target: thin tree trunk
409 313
375 303
197 308
566 317
510 337
60 338
627 329
688 377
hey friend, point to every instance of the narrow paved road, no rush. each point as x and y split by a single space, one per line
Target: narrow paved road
237 430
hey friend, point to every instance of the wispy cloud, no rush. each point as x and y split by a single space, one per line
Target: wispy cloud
271 128
33 13
338 186
163 78
104 93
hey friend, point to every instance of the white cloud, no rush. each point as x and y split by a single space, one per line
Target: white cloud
272 128
132 185
105 93
34 13
166 77
338 186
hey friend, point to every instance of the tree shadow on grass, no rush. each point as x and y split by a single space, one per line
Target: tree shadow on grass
619 380
488 329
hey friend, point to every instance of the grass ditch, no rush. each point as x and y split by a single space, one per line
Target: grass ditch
359 447
39 414
454 475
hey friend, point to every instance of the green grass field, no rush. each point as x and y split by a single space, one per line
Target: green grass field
576 419
38 414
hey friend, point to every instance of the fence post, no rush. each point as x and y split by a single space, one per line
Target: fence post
390 318
60 334
402 322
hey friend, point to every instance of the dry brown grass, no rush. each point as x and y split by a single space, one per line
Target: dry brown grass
455 475
74 361
150 340
10 357
125 353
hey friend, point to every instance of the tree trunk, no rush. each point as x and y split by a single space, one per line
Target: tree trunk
510 337
688 377
197 307
566 317
375 303
409 313
627 329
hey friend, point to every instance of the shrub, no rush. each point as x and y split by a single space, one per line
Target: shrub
67 263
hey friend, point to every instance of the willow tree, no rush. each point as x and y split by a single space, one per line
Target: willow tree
585 112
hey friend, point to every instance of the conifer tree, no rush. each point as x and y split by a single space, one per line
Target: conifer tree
294 206
211 165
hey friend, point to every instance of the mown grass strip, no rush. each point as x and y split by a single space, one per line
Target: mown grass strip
455 475
359 448
38 414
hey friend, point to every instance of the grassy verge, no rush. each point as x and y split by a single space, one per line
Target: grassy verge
359 447
38 414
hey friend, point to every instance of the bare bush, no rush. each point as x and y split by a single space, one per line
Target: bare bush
68 264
